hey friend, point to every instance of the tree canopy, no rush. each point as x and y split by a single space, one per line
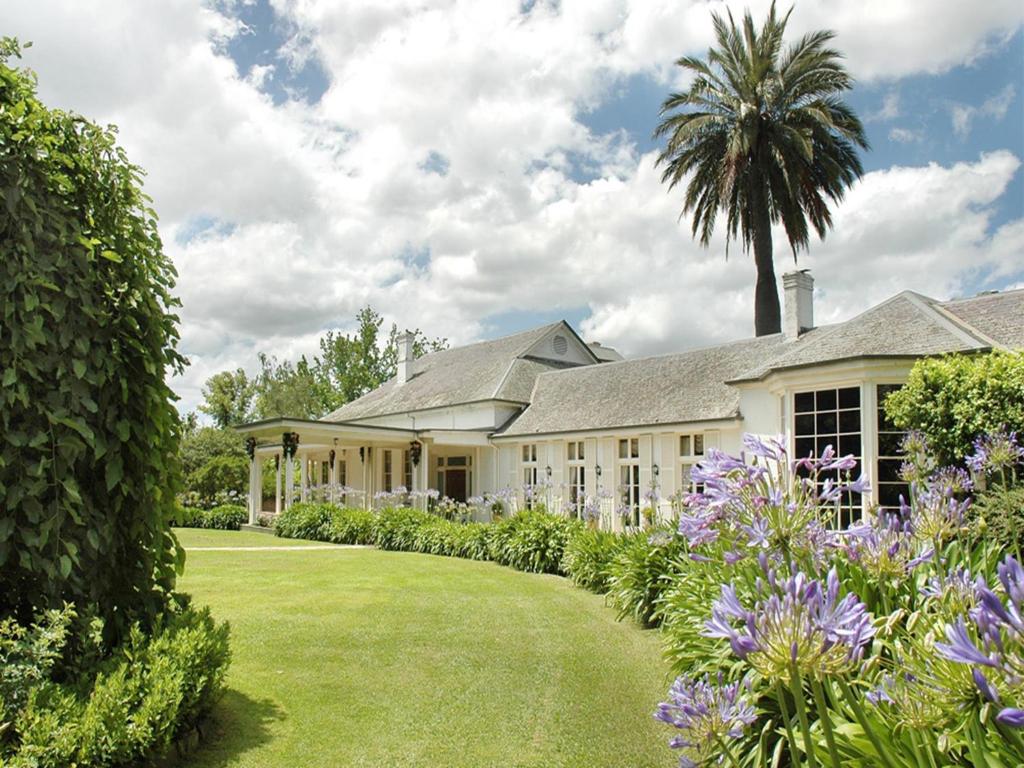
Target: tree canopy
762 137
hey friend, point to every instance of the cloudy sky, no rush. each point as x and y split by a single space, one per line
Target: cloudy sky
475 168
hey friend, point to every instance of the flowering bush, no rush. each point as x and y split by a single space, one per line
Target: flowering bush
888 643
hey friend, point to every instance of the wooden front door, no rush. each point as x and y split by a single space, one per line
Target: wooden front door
455 484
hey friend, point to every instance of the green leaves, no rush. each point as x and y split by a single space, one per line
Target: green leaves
87 421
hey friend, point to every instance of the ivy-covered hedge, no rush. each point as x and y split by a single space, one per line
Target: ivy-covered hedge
957 398
88 430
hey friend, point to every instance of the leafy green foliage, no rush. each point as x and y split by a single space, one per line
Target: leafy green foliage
27 658
286 389
350 526
215 463
305 520
151 689
398 528
588 558
228 397
641 573
533 541
998 515
88 432
955 399
226 517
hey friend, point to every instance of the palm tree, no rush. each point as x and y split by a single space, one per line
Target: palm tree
762 136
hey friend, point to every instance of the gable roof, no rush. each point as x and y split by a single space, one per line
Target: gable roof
668 389
907 325
499 369
999 316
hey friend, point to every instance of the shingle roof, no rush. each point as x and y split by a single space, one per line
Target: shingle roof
907 325
668 389
487 370
999 316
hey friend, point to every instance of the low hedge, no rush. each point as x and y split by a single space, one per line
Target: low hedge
588 558
643 570
226 517
533 541
130 707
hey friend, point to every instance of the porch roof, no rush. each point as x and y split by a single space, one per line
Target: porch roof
316 431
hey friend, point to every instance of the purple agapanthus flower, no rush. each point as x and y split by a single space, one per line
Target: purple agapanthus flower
996 452
795 622
706 716
993 642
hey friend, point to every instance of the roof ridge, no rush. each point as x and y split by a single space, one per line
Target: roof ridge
958 327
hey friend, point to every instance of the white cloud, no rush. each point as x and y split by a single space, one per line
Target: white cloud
320 209
905 135
995 106
889 110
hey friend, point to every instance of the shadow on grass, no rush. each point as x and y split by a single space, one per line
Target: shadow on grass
237 725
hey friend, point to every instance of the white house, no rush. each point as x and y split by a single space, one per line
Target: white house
546 410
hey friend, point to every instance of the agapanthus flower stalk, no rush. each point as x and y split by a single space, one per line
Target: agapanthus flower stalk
708 717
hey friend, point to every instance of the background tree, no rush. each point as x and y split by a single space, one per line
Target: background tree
349 366
763 137
214 462
227 398
283 389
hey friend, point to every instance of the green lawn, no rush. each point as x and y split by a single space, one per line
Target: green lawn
198 537
355 657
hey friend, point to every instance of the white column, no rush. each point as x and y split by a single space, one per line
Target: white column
289 480
277 484
303 477
333 477
253 508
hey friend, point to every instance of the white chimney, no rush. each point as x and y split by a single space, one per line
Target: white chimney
405 356
798 314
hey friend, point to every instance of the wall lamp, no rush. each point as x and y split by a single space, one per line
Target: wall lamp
597 470
655 470
547 469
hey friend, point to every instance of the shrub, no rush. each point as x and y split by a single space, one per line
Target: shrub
88 430
957 398
588 558
213 462
397 528
350 526
532 541
305 520
151 689
642 571
227 517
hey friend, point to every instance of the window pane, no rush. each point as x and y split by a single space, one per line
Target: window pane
698 445
579 450
456 461
825 400
804 424
849 445
849 421
849 397
623 449
804 447
889 443
572 451
803 402
827 423
634 447
824 442
684 446
526 453
889 470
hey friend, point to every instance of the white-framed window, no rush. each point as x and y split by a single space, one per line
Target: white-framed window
889 482
529 472
826 417
629 476
342 472
691 453
407 470
575 456
388 472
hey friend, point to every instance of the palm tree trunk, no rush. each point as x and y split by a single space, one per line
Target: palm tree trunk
767 315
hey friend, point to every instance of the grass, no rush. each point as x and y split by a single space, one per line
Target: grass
356 657
202 537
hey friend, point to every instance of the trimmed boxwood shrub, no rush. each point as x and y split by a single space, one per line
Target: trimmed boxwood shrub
588 558
88 429
532 541
127 709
